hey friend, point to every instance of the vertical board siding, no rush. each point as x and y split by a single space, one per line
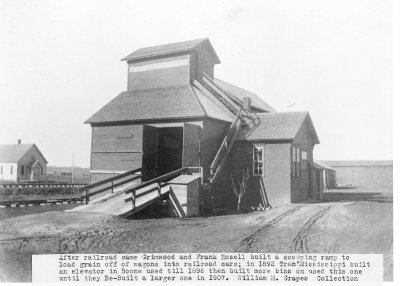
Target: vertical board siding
191 144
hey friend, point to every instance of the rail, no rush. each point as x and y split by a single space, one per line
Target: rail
228 96
32 202
160 181
109 184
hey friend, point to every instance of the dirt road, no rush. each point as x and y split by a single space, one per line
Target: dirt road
331 227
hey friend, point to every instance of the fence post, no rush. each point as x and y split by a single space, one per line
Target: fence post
86 198
134 198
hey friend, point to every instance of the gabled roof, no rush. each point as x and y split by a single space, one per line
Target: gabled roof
159 103
360 163
241 93
276 126
12 153
168 49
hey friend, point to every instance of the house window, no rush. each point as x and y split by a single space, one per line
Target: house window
258 161
296 161
22 170
1 169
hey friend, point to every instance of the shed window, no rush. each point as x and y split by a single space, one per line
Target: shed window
258 161
22 170
296 161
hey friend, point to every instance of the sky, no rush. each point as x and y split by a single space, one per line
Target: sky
60 63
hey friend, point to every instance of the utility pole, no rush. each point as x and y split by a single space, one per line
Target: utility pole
72 175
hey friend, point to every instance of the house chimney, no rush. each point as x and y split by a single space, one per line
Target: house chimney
246 102
19 141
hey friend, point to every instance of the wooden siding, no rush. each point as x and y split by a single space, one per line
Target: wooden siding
6 176
275 183
212 136
116 148
27 160
191 145
201 62
277 173
159 77
302 187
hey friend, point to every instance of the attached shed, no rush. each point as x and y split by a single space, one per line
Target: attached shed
21 162
328 173
176 114
277 148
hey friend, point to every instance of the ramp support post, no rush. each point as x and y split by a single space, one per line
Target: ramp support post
86 197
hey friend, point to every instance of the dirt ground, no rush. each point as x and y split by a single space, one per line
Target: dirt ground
360 222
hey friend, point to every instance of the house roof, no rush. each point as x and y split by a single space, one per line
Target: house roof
276 126
359 163
241 93
12 153
168 49
159 103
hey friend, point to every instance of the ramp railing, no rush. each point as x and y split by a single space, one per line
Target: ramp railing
226 146
160 182
109 184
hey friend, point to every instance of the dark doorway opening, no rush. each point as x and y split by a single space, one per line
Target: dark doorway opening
162 151
169 149
309 180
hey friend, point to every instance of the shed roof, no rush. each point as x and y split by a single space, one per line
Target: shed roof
322 165
241 93
276 126
359 163
12 153
168 49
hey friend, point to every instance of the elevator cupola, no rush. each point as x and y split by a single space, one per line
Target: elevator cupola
170 65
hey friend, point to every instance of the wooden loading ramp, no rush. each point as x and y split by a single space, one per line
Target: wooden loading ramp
131 196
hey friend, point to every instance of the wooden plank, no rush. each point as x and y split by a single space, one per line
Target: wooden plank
149 165
161 178
177 205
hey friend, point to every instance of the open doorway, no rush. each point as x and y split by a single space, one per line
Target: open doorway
169 149
162 151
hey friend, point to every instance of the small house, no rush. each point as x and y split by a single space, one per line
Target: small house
175 113
22 162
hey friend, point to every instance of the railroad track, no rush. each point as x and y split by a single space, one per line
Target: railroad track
40 199
39 202
40 185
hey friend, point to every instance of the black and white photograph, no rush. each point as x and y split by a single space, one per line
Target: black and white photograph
134 127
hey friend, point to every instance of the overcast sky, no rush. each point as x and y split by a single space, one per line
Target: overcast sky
60 63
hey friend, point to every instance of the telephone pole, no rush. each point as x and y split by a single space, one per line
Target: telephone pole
72 175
